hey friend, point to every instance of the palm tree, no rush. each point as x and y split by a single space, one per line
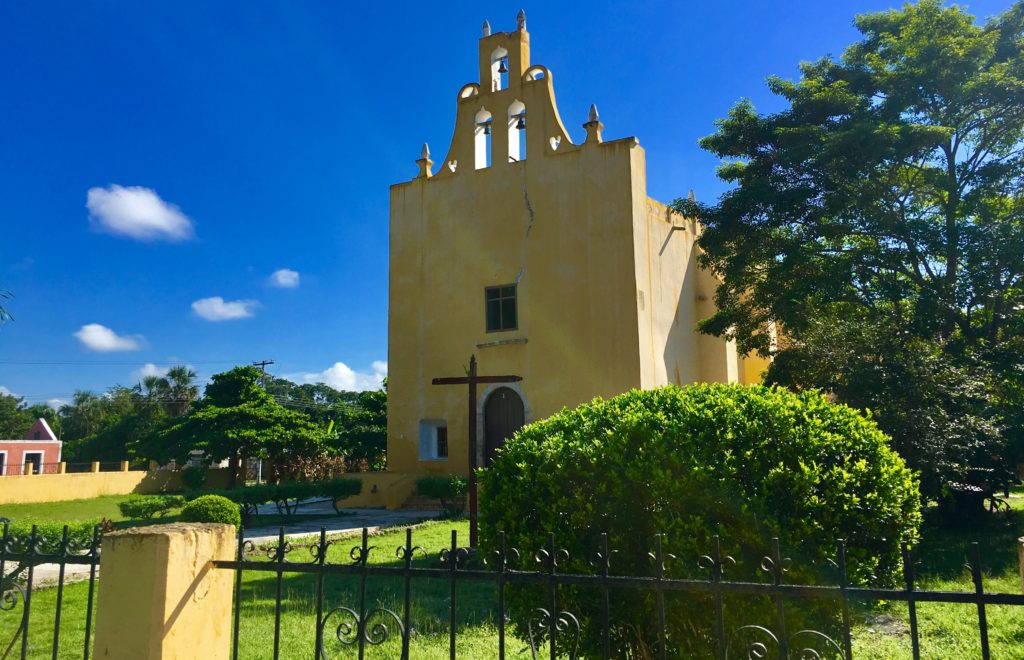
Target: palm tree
183 388
176 390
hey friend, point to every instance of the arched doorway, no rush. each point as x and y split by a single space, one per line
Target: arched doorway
503 416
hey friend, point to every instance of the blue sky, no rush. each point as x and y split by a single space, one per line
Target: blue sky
219 143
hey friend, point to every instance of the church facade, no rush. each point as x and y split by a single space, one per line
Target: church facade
544 259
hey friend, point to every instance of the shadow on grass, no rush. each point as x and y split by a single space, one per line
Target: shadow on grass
946 547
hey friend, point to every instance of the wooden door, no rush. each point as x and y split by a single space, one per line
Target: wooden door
503 416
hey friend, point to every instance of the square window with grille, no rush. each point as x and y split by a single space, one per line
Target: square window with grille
501 308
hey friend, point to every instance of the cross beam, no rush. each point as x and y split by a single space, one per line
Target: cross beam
472 379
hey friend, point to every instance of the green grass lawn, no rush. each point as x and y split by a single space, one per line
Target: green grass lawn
881 630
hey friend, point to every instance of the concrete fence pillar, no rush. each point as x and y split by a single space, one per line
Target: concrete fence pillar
160 596
62 468
124 466
95 467
30 468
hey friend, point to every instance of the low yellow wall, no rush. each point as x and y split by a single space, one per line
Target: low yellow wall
56 487
381 489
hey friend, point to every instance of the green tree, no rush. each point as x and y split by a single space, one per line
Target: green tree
235 420
176 390
886 196
112 426
358 419
14 420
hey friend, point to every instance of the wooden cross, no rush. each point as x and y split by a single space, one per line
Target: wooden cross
472 379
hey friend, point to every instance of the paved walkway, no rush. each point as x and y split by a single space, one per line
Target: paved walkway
351 522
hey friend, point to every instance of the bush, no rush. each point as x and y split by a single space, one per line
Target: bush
746 463
193 477
451 491
286 495
211 509
145 507
50 535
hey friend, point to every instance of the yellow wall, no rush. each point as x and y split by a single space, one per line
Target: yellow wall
77 486
608 293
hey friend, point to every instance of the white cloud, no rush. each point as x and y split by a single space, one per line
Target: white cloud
6 392
342 377
216 308
284 278
148 369
56 403
100 338
138 213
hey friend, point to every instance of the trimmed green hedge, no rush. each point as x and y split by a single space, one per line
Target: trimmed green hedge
287 494
144 507
211 509
49 535
746 463
450 490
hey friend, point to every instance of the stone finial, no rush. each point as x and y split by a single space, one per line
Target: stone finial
593 125
425 163
521 20
487 29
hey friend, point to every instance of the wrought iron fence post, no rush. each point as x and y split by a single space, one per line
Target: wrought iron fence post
975 566
60 589
908 577
606 619
279 560
94 551
502 561
407 604
33 554
552 595
659 560
716 578
364 556
453 560
321 557
844 584
780 606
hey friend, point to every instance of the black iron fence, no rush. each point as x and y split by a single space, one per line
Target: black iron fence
37 563
33 561
555 632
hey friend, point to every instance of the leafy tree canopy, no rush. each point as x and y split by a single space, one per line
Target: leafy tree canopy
887 197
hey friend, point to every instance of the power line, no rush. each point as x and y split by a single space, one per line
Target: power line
94 363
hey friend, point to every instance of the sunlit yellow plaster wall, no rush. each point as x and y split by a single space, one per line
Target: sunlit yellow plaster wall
608 285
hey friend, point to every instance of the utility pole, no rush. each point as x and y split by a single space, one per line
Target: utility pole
262 364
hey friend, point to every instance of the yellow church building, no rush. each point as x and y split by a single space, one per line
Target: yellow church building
543 258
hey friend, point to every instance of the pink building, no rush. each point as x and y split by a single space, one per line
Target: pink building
40 447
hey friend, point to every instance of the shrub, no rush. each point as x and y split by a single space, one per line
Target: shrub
50 535
145 507
193 477
286 495
338 489
746 463
211 509
451 491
